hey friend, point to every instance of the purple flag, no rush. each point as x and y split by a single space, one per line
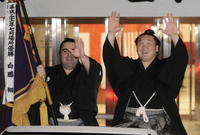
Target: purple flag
24 66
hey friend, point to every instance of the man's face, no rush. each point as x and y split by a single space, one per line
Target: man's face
147 48
69 62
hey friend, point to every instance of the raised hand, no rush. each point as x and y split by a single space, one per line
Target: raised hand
113 24
171 25
113 27
171 28
78 51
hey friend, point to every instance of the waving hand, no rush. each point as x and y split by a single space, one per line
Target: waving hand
113 27
171 28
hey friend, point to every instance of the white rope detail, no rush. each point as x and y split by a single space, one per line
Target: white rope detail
141 109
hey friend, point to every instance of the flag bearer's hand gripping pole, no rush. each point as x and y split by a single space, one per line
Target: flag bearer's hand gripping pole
42 73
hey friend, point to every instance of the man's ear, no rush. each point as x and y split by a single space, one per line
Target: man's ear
157 48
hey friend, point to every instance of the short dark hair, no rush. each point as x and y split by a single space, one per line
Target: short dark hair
151 33
64 41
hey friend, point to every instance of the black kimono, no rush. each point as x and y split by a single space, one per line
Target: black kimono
78 87
163 76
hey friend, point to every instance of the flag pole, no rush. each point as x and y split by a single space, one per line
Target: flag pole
38 59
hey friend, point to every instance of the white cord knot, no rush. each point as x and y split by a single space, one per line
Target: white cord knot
141 111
